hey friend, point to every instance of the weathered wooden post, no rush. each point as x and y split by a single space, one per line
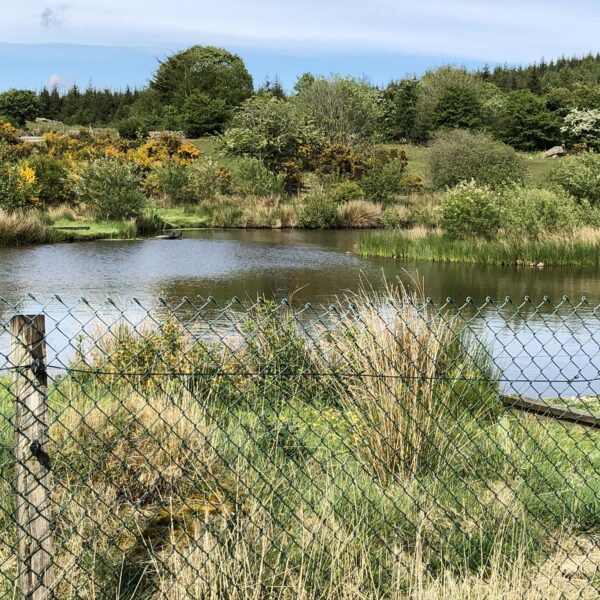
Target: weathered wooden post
33 478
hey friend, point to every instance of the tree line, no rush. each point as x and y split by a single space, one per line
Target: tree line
199 90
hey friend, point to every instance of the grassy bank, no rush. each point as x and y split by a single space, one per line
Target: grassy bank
266 482
582 248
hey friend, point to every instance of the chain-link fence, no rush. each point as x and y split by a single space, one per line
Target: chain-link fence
379 447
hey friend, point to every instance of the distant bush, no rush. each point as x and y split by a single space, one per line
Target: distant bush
171 182
397 216
133 128
580 177
341 161
462 155
271 130
360 214
582 127
384 182
19 188
204 180
529 212
318 212
346 110
469 210
53 179
346 191
111 188
250 177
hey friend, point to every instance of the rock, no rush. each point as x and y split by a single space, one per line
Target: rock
540 265
555 152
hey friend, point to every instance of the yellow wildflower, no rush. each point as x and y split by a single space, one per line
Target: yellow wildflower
27 175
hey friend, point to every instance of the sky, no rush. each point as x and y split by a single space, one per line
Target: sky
118 42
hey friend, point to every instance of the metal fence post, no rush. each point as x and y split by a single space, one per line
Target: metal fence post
33 479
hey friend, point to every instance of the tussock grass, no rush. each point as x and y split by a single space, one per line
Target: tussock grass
29 227
582 248
360 214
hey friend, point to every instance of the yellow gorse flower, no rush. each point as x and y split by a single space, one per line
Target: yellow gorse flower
27 175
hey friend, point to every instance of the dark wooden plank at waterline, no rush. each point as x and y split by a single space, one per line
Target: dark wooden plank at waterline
554 411
72 228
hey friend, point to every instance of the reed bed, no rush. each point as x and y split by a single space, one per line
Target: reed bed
580 248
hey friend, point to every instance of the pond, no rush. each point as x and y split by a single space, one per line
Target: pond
544 351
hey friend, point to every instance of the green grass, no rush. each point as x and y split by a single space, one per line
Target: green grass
180 218
437 248
97 229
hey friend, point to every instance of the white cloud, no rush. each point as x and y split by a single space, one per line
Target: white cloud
56 81
501 30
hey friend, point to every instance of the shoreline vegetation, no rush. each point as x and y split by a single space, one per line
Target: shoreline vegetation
580 248
462 154
459 500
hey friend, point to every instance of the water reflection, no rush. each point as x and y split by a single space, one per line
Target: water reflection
545 348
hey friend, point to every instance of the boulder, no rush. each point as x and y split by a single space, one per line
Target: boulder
555 152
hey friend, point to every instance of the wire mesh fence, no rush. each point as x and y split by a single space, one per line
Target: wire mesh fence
380 447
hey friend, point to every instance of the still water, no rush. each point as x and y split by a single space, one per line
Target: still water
544 351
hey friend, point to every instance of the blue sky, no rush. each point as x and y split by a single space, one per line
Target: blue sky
117 42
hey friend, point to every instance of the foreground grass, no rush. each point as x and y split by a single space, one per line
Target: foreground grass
253 483
579 249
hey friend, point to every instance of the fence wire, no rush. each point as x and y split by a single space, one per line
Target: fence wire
379 447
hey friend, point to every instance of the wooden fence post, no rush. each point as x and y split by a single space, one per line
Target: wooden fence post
35 548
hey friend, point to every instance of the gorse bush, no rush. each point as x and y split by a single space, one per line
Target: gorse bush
19 188
580 177
469 210
111 188
250 177
531 212
462 155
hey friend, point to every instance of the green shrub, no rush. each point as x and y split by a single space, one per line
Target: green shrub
318 212
346 191
580 177
526 211
384 182
133 128
340 160
397 216
53 179
462 155
469 210
250 177
18 187
203 180
271 130
111 188
171 182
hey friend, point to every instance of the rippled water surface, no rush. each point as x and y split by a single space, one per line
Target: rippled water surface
543 350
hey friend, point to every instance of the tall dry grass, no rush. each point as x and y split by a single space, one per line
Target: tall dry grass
360 214
28 227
